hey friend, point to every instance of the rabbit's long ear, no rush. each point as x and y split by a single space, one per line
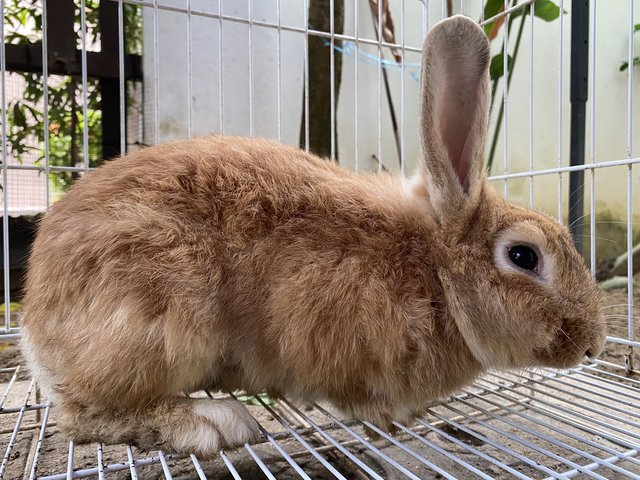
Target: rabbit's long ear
454 116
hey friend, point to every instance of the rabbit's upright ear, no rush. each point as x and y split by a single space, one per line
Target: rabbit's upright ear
454 116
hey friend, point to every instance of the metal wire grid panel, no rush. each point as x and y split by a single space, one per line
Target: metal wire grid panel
580 423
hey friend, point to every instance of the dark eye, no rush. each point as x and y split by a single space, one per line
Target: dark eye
523 257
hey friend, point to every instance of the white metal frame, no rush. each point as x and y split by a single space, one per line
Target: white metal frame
583 422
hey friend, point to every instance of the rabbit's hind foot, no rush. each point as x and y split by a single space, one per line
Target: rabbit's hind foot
175 425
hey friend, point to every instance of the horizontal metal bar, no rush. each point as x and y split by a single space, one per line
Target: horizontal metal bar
620 388
9 337
625 378
334 442
28 58
527 443
52 168
28 408
595 411
454 458
369 445
566 421
587 426
568 379
111 468
623 341
275 26
574 473
572 168
495 444
506 12
473 450
589 419
575 395
552 440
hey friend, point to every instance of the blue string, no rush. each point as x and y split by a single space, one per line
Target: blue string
348 50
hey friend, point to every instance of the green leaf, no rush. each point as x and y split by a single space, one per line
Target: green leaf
546 10
625 65
636 27
491 9
19 117
251 400
496 69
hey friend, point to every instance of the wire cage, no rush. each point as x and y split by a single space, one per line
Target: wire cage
88 80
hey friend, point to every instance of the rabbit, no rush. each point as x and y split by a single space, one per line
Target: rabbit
244 264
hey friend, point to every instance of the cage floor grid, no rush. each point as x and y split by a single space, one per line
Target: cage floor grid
580 423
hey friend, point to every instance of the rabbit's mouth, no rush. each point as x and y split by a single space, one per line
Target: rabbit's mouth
573 341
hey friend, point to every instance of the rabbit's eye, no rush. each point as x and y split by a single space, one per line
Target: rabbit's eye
523 257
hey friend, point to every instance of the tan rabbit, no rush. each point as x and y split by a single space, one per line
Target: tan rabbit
233 263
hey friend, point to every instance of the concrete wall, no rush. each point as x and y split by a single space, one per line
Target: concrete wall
548 133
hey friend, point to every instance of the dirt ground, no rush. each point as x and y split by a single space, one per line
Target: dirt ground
54 457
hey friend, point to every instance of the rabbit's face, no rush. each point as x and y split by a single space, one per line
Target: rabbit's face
534 301
517 289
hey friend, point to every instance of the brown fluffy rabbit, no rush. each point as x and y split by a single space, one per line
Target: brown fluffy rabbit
232 263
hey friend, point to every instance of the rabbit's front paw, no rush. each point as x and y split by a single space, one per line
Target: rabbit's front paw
214 425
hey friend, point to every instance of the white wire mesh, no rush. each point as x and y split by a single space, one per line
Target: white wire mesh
582 423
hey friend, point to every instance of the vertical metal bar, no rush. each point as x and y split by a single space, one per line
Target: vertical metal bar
592 177
402 74
332 79
333 441
156 75
578 98
70 460
630 334
100 461
5 193
43 427
259 462
425 18
531 117
165 466
305 444
121 81
220 84
227 462
45 100
16 428
306 75
356 88
379 28
132 463
200 472
560 81
279 68
251 109
111 119
505 90
85 92
189 74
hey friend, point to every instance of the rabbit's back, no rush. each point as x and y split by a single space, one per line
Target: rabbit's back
174 256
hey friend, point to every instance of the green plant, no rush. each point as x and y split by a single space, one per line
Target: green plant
636 60
543 9
66 122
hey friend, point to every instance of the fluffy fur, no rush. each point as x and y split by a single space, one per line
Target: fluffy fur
235 263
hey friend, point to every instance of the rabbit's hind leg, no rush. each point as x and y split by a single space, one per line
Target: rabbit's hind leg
176 424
